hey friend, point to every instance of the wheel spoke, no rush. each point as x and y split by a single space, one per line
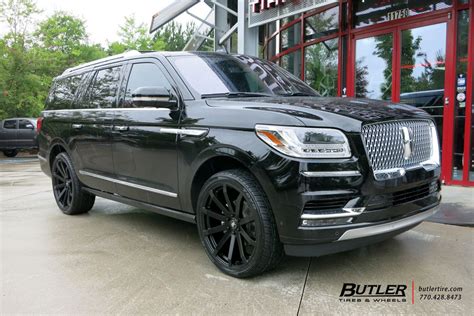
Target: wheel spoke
219 204
247 237
238 202
213 214
57 176
231 248
61 194
227 199
217 229
59 186
241 248
247 220
69 196
221 243
62 170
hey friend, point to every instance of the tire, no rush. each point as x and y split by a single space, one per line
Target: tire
247 226
68 190
10 153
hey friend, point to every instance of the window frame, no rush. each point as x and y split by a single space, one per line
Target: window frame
29 122
86 95
128 74
10 120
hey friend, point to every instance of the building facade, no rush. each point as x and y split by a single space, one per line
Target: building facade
415 52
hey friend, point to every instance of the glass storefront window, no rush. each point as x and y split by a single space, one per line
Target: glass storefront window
290 36
292 63
422 70
321 61
322 24
373 73
370 12
271 49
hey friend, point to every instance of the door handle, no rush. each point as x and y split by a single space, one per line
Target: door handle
120 128
77 126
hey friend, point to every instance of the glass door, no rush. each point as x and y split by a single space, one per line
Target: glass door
373 67
423 70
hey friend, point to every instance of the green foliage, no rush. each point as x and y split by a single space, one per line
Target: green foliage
31 56
175 36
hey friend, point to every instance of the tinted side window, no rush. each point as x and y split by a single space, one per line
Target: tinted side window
10 124
25 124
144 75
63 93
103 93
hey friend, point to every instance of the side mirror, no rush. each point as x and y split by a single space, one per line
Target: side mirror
159 97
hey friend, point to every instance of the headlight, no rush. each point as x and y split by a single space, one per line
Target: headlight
302 142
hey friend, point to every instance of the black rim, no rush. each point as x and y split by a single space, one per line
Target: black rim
229 226
62 184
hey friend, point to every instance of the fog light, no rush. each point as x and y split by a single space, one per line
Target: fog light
325 222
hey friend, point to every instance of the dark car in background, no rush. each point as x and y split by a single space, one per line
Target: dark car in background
17 134
251 154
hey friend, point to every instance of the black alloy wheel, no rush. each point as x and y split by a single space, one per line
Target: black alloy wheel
68 191
236 225
62 184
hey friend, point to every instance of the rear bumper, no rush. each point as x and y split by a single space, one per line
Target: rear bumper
44 164
362 236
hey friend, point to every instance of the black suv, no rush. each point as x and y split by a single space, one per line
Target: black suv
251 154
17 134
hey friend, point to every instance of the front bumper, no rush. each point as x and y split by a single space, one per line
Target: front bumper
358 237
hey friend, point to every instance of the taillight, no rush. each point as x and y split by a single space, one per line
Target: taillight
39 124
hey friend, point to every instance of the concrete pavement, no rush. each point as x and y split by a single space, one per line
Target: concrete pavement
119 259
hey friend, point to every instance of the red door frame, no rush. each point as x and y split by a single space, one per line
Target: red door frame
448 16
447 167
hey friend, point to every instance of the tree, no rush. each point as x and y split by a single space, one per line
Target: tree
20 88
134 36
62 42
62 33
175 36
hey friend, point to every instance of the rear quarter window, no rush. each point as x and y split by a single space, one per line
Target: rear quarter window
63 93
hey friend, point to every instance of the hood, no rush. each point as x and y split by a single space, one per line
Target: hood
363 110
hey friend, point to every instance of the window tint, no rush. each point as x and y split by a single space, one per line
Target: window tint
144 75
103 92
63 93
10 124
218 74
25 124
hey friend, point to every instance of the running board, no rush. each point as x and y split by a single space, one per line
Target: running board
191 218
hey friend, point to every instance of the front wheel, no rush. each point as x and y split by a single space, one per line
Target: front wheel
10 153
236 225
68 192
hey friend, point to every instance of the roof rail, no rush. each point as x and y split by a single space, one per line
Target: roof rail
99 61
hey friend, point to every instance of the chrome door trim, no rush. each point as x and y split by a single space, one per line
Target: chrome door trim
129 184
387 227
109 109
326 174
187 132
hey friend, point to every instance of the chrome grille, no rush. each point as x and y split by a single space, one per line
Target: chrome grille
385 148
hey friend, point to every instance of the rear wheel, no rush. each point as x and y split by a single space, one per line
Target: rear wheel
68 191
236 225
10 153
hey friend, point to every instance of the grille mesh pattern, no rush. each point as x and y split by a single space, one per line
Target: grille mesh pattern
384 144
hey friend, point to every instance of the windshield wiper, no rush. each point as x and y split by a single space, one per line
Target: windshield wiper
235 95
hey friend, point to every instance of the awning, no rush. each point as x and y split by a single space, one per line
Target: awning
170 12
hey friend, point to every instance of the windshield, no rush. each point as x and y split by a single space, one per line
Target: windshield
218 75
